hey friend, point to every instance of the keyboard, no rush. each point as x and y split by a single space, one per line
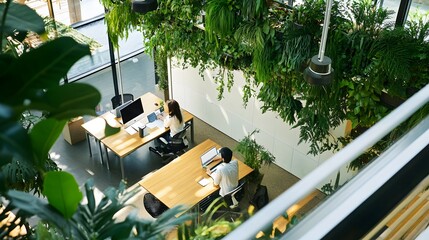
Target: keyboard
157 123
138 124
135 127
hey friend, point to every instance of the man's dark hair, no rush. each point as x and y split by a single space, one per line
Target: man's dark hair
226 154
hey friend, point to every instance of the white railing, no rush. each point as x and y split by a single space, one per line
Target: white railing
264 218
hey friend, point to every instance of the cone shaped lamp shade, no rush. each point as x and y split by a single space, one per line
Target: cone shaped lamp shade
319 72
144 6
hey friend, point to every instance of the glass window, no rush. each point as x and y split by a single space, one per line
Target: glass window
100 57
132 44
138 78
391 5
138 75
421 6
68 11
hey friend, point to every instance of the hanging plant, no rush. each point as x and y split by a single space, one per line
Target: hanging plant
271 44
220 18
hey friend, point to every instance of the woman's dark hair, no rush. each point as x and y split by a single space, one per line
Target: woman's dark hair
174 108
226 154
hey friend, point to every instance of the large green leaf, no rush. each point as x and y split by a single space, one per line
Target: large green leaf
43 136
19 18
40 69
109 130
69 100
14 141
62 192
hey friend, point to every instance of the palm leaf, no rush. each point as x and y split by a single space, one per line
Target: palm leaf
30 205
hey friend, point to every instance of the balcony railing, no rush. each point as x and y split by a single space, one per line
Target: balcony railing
339 205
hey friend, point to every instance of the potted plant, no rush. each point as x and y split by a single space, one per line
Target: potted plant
255 155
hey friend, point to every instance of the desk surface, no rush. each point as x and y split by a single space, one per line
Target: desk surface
177 182
122 143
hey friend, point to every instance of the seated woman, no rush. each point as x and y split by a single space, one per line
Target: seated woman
173 118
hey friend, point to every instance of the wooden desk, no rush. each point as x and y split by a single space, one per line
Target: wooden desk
122 143
177 182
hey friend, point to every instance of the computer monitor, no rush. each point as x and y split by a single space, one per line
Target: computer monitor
132 113
117 110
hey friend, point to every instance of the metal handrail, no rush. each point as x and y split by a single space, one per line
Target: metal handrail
265 217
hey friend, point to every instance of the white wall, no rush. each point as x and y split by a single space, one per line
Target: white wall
228 115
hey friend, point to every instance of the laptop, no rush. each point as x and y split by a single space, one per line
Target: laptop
208 157
151 117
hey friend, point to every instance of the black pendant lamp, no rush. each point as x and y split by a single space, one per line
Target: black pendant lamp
144 6
320 72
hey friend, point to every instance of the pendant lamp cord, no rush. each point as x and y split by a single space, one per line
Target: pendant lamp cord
325 30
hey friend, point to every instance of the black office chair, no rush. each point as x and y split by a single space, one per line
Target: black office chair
168 150
153 205
117 100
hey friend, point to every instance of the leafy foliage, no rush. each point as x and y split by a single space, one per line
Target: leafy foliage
31 87
212 224
221 17
272 44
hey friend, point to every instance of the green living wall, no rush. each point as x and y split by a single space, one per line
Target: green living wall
272 43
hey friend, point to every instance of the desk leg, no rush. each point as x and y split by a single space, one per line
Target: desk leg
101 152
192 130
107 157
121 160
89 144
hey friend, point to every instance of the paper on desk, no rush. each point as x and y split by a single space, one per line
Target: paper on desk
130 130
203 182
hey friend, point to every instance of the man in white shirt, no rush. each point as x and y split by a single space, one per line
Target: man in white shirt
226 175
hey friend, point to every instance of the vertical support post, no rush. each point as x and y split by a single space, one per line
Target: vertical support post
112 62
404 8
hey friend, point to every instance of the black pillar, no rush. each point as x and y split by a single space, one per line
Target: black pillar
404 8
113 63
